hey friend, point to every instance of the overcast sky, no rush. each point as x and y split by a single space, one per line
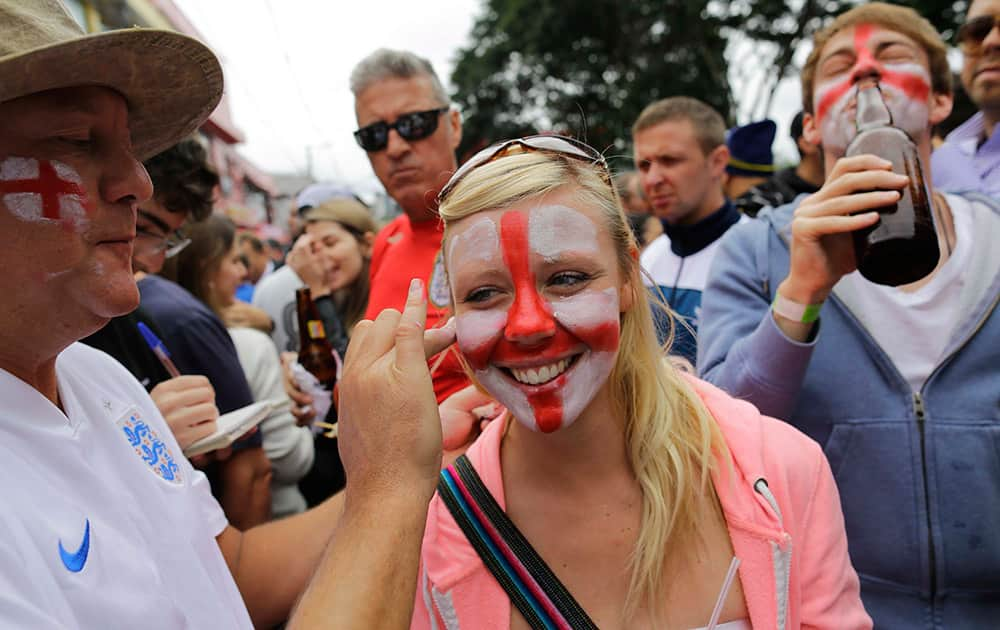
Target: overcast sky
287 64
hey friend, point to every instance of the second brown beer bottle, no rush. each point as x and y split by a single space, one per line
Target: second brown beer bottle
315 352
902 247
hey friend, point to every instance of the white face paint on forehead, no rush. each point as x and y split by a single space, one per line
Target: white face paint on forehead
554 229
481 241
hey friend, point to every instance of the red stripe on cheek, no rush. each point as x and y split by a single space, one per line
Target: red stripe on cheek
529 314
479 356
602 338
913 85
831 97
50 187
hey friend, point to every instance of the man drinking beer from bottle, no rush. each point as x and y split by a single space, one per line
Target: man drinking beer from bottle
899 384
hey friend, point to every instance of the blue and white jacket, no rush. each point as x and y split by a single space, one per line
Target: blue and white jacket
676 265
918 471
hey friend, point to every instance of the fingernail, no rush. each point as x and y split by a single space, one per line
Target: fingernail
450 323
416 289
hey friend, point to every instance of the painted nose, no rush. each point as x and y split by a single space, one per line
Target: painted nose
529 320
866 68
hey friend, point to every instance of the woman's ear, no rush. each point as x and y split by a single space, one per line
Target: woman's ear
366 243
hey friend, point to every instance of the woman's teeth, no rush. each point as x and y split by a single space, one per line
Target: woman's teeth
539 375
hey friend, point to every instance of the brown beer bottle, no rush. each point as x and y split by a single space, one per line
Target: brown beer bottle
315 352
902 247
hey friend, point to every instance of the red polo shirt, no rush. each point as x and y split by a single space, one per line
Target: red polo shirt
402 251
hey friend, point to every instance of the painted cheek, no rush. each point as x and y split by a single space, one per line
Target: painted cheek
592 317
43 190
477 334
529 315
909 78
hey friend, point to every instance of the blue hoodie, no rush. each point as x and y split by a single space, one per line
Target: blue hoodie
918 471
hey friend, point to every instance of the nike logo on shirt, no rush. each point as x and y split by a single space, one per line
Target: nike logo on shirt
74 561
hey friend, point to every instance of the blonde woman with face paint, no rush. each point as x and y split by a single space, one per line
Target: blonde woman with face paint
638 486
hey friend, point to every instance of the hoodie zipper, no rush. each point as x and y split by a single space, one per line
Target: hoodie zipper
918 409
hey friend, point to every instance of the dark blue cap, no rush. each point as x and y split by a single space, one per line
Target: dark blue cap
750 149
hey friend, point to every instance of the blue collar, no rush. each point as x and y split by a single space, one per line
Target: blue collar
691 239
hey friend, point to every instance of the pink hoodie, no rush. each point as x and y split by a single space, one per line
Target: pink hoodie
782 510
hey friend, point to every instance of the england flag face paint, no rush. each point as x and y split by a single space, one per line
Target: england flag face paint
896 63
537 308
36 190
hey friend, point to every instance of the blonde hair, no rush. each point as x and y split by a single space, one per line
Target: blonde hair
671 439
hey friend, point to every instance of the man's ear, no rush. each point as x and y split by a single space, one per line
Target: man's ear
455 121
717 161
940 107
810 130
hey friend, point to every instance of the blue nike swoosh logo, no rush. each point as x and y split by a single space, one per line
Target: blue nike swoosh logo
75 561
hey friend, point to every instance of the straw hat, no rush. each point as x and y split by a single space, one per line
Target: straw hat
348 212
171 82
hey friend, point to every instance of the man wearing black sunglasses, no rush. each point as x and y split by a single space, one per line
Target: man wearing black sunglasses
970 157
410 134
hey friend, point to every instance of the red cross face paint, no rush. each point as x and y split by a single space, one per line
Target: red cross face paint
871 51
537 308
44 190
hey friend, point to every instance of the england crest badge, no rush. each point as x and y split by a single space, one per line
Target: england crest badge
437 289
148 446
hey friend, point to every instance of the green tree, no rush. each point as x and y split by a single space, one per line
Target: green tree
588 69
584 69
781 27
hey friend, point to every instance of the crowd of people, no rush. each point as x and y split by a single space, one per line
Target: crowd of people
568 397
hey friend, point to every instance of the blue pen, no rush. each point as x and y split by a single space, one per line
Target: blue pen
159 350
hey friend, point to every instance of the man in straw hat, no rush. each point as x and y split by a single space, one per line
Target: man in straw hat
104 523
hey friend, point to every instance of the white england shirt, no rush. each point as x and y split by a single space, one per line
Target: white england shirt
104 523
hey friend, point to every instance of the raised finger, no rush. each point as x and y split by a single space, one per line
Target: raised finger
410 334
356 354
383 333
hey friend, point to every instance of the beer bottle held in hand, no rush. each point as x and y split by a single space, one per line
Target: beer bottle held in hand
315 352
902 247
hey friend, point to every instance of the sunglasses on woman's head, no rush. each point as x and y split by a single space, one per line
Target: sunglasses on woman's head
549 143
409 126
972 33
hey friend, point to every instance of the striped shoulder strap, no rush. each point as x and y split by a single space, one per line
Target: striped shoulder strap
533 588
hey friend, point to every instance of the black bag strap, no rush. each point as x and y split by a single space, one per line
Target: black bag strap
545 604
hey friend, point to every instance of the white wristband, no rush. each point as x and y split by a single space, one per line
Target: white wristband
802 313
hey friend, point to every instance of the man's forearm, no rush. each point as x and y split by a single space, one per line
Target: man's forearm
246 488
272 563
368 575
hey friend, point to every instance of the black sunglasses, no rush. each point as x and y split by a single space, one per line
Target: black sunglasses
410 126
972 33
550 143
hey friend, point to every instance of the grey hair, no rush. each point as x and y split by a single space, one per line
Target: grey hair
385 63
